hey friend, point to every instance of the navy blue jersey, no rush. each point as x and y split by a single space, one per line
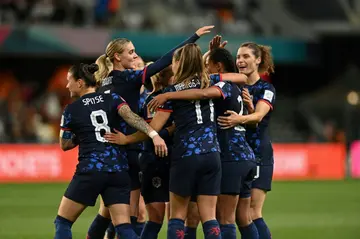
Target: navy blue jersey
233 144
89 117
195 131
258 137
127 83
148 116
143 97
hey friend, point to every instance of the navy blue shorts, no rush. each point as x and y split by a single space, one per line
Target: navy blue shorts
195 175
154 178
264 176
237 177
134 168
113 187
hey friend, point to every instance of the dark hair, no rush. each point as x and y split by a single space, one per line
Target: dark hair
223 56
85 72
264 52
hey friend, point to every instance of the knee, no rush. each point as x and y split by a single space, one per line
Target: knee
193 219
243 219
104 211
255 212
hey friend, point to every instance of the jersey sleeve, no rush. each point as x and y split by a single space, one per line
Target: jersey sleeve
224 88
167 107
65 123
134 76
118 101
215 78
268 95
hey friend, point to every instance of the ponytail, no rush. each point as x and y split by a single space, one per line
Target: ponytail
105 67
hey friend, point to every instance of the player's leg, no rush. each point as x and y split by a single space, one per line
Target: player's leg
101 222
134 172
82 191
208 189
155 191
141 215
180 193
192 220
68 212
116 197
227 201
258 195
246 226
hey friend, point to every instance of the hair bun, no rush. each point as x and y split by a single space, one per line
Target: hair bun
92 68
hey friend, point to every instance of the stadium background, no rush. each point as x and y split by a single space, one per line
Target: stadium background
315 126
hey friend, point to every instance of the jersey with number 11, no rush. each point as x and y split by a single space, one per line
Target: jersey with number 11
89 118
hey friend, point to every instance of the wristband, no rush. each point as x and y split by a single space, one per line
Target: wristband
152 134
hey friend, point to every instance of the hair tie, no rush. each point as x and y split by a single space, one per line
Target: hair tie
106 55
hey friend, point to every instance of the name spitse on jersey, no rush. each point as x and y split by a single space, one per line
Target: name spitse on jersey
195 131
233 144
89 117
259 138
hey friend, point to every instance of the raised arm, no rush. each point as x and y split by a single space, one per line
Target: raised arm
166 59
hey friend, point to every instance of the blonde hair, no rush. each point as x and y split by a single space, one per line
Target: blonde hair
105 61
266 65
191 65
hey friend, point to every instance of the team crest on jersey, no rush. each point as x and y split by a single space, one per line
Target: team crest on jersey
156 182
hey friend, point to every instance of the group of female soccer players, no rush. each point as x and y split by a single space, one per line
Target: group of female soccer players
201 142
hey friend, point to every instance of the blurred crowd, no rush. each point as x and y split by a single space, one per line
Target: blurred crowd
129 14
27 116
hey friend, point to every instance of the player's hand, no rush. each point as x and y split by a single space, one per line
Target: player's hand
227 122
116 138
160 146
204 30
216 43
156 102
248 101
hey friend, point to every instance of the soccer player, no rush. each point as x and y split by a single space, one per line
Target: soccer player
118 75
102 167
238 159
196 150
154 170
121 58
253 59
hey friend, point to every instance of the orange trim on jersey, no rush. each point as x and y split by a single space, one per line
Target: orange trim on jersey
218 88
148 120
164 110
121 105
221 77
144 75
65 129
267 102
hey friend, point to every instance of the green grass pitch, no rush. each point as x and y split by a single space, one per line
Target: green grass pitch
294 210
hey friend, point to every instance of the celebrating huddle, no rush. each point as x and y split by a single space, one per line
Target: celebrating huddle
198 142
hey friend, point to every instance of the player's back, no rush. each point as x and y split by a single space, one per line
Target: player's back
195 131
89 117
232 141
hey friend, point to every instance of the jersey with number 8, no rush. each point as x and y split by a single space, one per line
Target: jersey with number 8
89 117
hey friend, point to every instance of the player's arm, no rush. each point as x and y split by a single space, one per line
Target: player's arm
67 140
263 106
237 78
166 59
138 123
157 123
